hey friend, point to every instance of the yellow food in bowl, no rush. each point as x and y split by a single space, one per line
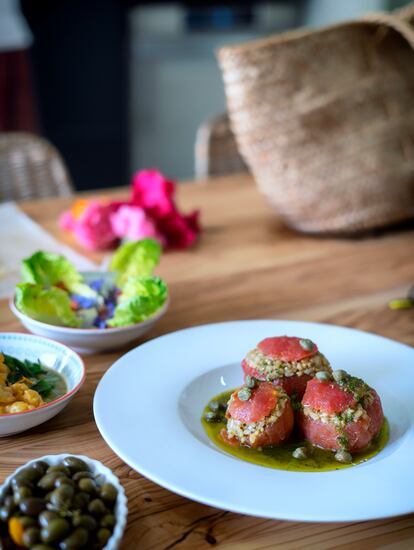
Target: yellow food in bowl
17 397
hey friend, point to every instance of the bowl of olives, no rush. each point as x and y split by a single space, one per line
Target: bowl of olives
62 502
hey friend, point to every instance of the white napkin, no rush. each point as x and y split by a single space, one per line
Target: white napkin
20 237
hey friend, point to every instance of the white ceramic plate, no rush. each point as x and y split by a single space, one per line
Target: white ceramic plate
149 403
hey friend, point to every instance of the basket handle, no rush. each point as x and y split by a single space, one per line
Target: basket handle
401 20
406 13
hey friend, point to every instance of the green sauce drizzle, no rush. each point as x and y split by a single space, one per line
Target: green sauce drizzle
280 458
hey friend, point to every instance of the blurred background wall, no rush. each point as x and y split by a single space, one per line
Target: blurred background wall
122 85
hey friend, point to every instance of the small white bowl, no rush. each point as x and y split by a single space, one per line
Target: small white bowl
89 340
53 356
97 468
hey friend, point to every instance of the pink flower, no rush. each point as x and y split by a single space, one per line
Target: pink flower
151 212
93 228
131 222
66 221
179 231
153 192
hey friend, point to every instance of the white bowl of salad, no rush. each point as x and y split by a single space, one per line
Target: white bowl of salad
92 311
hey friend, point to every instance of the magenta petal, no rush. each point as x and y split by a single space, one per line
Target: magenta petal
66 221
153 192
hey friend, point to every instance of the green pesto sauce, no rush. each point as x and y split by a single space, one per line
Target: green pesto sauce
60 388
281 458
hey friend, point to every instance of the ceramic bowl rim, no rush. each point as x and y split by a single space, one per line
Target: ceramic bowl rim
87 331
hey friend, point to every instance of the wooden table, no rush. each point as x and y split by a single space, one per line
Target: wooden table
247 265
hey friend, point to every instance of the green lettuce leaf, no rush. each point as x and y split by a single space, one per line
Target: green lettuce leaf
135 259
50 306
47 270
141 297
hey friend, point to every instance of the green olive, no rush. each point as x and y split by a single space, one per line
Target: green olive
64 481
86 521
21 482
102 536
55 531
47 482
9 503
27 521
80 475
32 506
108 521
58 469
75 464
96 507
108 492
62 496
87 485
78 538
41 467
21 492
31 536
80 501
46 517
31 473
5 514
8 500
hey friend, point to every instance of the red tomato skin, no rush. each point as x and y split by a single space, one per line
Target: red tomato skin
327 397
291 384
359 433
274 434
285 348
261 404
278 432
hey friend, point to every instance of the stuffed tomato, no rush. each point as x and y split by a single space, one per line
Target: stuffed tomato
258 416
287 361
340 414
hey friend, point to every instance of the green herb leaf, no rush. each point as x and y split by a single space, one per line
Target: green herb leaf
45 385
24 368
343 441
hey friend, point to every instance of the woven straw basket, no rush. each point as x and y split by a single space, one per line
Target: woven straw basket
325 121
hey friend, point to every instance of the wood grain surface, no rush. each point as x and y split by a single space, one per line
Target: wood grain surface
247 265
